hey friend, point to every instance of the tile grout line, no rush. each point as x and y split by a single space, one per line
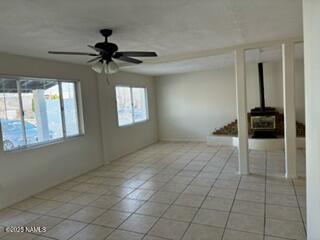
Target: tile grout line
172 203
265 193
131 213
124 197
134 212
301 215
221 170
226 226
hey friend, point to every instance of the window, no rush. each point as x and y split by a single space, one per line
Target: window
70 108
131 105
35 111
124 106
139 104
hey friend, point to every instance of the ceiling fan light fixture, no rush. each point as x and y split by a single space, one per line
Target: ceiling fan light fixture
111 67
97 67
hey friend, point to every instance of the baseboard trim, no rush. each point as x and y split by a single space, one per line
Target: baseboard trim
130 152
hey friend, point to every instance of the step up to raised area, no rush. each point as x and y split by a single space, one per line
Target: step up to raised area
228 135
254 143
231 129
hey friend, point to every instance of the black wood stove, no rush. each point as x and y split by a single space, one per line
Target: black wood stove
263 119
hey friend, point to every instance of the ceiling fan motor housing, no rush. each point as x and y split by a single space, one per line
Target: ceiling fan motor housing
108 47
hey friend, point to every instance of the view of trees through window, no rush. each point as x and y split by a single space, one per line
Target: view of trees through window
131 105
34 111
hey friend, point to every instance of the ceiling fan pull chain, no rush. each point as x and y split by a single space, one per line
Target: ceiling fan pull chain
107 79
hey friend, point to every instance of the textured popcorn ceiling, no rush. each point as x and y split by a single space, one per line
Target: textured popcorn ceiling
169 27
212 62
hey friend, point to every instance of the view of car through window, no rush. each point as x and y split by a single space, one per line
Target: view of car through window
37 117
12 133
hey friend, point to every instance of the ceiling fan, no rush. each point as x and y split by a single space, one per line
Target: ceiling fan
105 53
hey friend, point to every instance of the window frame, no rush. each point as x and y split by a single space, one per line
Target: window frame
132 108
79 109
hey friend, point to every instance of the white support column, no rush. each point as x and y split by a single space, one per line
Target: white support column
289 109
41 115
242 111
311 29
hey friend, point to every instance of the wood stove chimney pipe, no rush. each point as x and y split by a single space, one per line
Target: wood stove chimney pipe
261 86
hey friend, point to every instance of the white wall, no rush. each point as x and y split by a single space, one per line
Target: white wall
119 141
311 30
23 173
192 105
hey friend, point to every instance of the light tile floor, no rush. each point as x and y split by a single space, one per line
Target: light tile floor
186 191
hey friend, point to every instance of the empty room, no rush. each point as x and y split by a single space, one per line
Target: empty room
159 120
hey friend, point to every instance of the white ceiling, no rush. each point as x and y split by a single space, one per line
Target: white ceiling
212 62
169 27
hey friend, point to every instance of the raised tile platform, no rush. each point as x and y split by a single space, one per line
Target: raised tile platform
254 143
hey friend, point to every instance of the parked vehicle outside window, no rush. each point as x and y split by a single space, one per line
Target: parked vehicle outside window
35 111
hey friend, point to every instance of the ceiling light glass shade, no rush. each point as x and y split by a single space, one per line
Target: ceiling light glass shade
97 67
111 68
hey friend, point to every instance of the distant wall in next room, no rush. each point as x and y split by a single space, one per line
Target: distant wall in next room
192 105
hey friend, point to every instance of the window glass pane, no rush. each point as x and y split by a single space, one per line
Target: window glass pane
139 104
42 111
70 108
10 115
124 105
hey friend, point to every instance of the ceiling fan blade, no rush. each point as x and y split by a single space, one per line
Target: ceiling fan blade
137 54
100 50
73 53
128 59
94 59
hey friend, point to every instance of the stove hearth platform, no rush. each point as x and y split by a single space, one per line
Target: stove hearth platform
254 143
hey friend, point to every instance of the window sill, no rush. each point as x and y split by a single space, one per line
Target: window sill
133 124
44 144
